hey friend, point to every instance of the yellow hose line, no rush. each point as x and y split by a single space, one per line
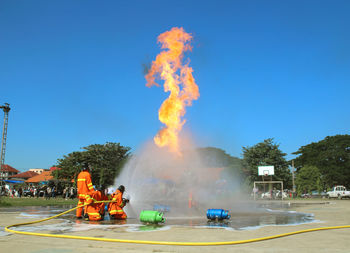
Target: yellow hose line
157 242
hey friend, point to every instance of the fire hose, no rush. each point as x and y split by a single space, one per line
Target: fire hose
7 228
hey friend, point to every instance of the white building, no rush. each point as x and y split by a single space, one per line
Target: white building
39 171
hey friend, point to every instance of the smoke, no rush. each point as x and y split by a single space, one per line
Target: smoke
184 184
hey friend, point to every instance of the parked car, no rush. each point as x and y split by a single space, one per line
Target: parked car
27 193
305 195
266 195
317 194
339 192
279 194
42 191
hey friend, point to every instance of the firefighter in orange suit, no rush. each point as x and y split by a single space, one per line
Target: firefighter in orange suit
115 208
85 188
95 211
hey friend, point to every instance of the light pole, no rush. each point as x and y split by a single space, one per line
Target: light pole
6 108
293 177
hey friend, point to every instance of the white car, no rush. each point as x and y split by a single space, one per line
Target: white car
266 195
280 194
339 192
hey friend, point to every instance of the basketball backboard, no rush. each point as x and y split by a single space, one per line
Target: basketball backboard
266 170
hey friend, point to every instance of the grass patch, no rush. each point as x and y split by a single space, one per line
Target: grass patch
12 202
4 203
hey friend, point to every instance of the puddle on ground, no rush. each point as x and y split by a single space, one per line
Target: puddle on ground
264 214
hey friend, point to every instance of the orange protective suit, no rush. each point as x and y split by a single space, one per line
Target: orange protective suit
84 185
115 209
95 211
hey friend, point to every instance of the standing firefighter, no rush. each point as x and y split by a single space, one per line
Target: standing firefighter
115 208
85 188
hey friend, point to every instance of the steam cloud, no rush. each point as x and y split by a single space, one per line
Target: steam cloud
185 184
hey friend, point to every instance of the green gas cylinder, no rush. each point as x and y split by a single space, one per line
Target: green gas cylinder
151 216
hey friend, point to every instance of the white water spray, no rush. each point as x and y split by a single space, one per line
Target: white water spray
155 176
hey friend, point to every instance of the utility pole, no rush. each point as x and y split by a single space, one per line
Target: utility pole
6 108
293 176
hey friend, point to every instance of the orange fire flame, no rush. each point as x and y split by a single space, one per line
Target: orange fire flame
178 80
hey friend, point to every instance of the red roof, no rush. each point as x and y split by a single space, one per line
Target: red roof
45 176
8 168
26 175
54 168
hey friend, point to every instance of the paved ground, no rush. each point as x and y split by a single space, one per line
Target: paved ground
336 213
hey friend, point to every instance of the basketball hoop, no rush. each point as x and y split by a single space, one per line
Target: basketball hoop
265 171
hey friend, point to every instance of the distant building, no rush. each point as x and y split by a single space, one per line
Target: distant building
43 177
23 176
39 171
7 171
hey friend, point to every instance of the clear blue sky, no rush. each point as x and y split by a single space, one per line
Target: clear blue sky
72 73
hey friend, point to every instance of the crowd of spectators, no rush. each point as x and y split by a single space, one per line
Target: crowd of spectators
47 191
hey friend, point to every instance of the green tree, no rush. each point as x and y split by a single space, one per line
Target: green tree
331 156
215 157
308 179
232 166
106 161
264 154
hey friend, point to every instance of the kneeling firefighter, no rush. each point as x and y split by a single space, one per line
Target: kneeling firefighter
95 211
115 208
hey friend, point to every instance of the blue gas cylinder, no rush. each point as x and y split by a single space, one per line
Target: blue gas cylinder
220 214
161 208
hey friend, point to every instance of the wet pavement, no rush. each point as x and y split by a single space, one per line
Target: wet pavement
263 214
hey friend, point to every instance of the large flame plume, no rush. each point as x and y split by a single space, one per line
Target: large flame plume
178 80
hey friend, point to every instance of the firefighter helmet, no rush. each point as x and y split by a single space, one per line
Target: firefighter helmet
121 188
